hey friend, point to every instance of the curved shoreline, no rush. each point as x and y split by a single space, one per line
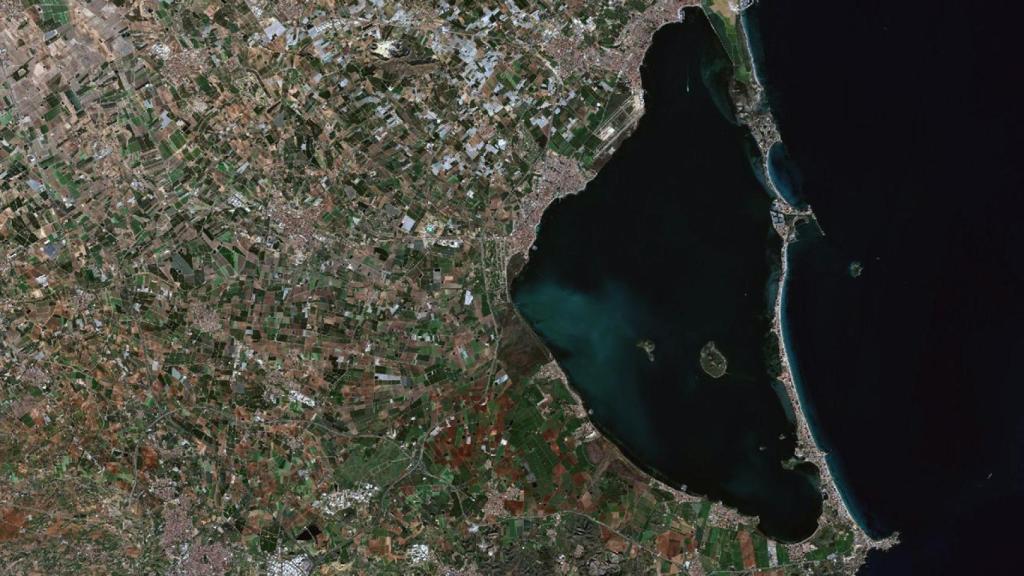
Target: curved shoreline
765 132
719 510
569 179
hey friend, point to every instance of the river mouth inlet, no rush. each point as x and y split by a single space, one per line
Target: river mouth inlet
668 248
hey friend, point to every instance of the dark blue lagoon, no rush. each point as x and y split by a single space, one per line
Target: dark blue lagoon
671 246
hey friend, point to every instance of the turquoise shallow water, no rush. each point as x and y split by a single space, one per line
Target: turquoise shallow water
583 327
672 243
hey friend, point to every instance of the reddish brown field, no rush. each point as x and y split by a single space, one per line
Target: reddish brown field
747 548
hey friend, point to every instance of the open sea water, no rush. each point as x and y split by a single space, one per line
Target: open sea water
903 132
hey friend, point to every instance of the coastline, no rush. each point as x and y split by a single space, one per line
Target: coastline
722 513
557 177
807 447
766 133
571 179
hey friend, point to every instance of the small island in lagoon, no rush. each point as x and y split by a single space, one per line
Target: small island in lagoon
648 347
712 361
